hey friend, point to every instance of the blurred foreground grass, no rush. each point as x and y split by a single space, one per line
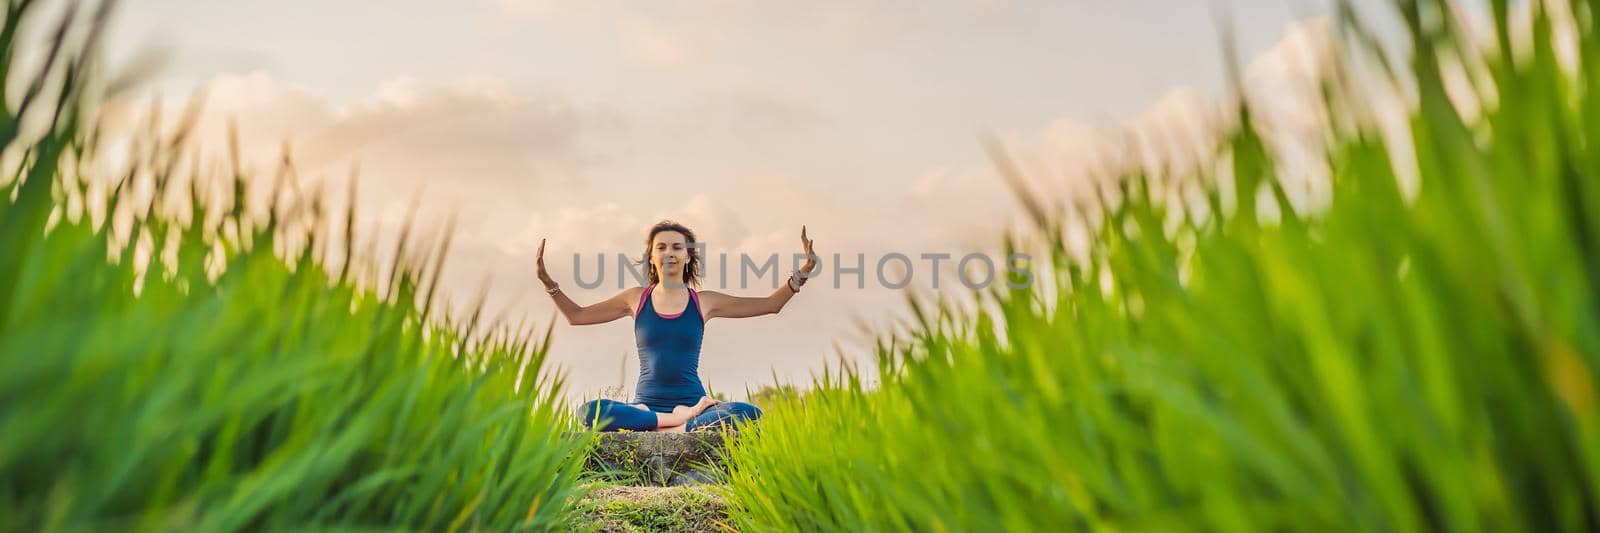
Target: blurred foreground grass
210 383
1393 361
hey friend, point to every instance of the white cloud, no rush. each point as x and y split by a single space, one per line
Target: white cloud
656 44
486 140
534 9
1070 160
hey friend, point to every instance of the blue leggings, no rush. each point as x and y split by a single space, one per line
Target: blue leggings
617 415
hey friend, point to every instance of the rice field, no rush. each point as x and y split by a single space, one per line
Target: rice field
239 381
1391 361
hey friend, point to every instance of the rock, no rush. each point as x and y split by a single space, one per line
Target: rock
697 476
661 459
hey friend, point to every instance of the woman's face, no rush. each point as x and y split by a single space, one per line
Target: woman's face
669 252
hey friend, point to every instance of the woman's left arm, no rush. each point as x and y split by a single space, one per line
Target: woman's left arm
719 305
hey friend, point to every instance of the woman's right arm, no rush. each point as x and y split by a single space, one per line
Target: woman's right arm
612 308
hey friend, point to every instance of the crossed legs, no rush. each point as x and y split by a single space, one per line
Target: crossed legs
614 415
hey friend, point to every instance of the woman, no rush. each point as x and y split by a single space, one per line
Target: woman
669 317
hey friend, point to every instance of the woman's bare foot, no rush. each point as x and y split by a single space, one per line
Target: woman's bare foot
678 420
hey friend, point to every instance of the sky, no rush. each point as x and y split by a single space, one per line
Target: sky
583 123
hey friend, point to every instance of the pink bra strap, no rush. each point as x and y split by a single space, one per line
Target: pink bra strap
695 295
642 295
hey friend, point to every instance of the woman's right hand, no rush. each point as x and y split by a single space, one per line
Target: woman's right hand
538 268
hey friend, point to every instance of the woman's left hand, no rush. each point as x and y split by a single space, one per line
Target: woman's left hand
811 255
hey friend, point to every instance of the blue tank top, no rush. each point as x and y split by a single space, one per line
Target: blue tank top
669 354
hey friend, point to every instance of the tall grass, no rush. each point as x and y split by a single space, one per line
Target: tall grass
214 384
1391 361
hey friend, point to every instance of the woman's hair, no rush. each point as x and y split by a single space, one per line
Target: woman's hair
691 271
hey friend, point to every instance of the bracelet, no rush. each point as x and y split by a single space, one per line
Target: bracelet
553 290
793 286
